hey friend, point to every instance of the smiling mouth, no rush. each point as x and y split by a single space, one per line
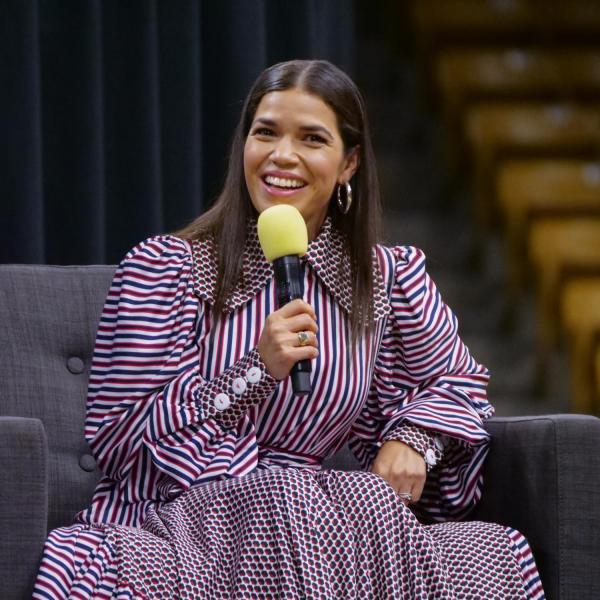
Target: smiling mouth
283 183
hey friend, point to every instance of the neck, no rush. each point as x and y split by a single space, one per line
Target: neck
314 225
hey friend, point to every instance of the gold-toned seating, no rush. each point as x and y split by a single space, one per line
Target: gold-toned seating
560 248
580 317
464 75
436 21
475 73
527 189
500 131
439 23
465 21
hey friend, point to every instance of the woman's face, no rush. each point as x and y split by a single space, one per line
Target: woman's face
294 154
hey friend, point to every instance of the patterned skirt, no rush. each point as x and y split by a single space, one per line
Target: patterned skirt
288 533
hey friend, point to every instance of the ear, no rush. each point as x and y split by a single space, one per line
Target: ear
350 165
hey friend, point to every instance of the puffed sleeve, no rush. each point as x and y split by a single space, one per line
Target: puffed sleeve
149 410
427 391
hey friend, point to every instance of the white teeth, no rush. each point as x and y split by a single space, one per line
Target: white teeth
285 183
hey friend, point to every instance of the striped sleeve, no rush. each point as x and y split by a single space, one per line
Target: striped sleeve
148 406
424 376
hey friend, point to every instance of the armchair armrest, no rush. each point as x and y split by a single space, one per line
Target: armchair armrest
542 477
23 503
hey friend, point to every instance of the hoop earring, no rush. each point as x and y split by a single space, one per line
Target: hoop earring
344 208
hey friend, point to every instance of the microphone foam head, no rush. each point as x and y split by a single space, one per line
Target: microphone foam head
282 232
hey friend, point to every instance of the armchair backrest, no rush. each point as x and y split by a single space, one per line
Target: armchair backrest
48 321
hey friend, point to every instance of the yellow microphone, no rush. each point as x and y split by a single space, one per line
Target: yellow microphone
284 238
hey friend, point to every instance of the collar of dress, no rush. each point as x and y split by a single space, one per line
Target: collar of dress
327 256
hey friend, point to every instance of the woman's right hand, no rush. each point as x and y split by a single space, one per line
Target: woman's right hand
279 346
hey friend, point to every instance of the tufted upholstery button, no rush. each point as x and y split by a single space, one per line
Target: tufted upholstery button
75 365
87 462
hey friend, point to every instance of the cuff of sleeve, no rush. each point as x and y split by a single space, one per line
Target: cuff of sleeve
246 383
429 445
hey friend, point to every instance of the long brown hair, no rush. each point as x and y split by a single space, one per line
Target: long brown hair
227 219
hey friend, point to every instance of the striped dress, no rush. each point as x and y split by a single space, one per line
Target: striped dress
213 485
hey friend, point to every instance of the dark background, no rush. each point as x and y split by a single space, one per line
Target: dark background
116 116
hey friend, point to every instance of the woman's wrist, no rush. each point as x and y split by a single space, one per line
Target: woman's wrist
428 444
242 385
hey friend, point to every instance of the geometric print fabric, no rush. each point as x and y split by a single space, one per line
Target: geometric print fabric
298 533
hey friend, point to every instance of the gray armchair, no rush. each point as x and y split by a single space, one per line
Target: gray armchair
542 475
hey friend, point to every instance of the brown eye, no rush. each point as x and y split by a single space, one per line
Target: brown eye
263 131
315 139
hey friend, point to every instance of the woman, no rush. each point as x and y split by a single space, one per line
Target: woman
213 486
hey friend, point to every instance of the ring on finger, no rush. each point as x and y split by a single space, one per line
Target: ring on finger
405 496
303 338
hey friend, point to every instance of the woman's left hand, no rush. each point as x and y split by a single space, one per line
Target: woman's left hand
402 467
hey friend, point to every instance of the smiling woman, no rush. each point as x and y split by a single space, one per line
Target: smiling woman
213 483
304 121
295 152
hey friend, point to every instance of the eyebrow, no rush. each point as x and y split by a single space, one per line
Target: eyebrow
309 128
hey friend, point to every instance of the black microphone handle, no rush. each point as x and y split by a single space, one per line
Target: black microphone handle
289 285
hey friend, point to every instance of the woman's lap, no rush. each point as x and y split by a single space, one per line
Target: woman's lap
287 533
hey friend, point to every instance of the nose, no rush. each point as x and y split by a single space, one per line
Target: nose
284 151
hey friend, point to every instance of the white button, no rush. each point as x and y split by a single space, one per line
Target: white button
430 458
238 386
222 402
439 444
253 375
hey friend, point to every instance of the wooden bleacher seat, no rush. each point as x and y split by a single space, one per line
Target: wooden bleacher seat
497 132
559 248
440 21
527 189
467 75
580 317
492 73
